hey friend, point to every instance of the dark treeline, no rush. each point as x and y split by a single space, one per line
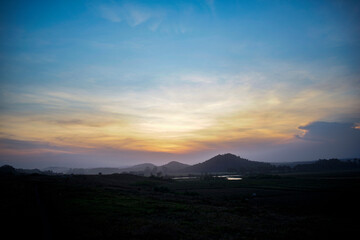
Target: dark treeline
330 164
10 170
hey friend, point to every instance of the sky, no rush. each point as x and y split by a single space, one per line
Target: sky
118 83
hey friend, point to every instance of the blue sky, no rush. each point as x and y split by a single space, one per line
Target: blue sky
183 79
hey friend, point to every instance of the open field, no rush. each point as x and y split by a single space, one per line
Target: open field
120 206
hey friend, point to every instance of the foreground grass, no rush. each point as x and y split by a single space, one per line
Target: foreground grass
130 207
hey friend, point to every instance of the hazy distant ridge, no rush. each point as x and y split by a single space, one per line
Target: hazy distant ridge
170 167
218 164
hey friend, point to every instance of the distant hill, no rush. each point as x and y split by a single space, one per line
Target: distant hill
174 166
134 169
138 168
93 170
30 171
7 170
147 168
229 163
63 170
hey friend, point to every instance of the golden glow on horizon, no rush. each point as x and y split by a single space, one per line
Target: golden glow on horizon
170 119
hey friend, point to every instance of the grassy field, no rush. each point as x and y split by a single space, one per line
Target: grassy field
293 206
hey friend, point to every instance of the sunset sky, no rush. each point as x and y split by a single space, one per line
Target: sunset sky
117 83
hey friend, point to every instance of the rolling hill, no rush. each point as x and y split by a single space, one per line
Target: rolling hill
228 163
174 166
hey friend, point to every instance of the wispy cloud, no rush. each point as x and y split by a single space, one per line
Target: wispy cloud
110 12
137 15
133 14
20 147
195 111
154 17
211 5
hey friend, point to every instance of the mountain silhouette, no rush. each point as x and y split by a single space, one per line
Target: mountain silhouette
174 166
228 163
224 163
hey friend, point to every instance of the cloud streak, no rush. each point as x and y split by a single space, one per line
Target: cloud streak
111 13
192 113
134 14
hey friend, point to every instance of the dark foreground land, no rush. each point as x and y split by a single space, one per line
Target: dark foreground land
120 206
